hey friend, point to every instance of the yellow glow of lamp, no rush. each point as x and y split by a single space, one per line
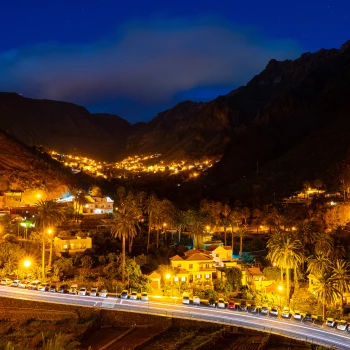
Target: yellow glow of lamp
27 263
167 276
49 231
38 195
280 288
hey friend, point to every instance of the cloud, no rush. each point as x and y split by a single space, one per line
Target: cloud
145 63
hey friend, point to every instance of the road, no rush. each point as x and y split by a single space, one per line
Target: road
309 332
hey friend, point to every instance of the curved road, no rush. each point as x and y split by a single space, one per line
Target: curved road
286 327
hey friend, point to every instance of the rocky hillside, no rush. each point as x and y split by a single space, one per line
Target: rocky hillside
63 127
21 169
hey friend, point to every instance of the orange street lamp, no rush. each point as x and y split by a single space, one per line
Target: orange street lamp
27 263
38 195
167 276
280 288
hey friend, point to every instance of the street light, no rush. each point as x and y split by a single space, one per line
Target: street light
27 263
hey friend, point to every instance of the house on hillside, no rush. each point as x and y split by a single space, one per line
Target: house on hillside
72 244
195 266
222 256
98 205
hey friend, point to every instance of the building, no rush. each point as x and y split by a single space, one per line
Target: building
194 267
98 205
222 256
72 244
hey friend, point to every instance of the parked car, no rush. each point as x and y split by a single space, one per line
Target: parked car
264 310
221 303
94 292
144 296
252 309
330 322
63 288
124 294
6 281
211 302
103 293
43 287
82 291
297 315
33 285
274 311
23 284
342 325
308 317
243 305
286 312
73 289
231 304
186 300
196 300
52 288
15 283
133 296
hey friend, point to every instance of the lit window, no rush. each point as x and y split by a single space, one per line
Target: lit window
199 276
183 279
176 279
65 246
207 276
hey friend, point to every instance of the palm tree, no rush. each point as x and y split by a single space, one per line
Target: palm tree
241 232
323 243
325 289
258 216
50 214
124 226
285 252
318 263
318 184
181 218
341 277
234 220
225 212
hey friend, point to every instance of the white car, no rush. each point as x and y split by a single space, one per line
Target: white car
82 291
221 303
43 287
144 296
297 315
330 322
94 292
103 293
186 300
274 311
264 310
133 296
15 283
286 312
342 325
196 300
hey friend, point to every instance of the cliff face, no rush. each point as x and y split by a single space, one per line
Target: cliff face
21 169
63 127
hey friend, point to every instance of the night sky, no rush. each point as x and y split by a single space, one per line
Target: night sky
137 58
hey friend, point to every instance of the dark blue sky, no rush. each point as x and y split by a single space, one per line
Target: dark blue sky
137 58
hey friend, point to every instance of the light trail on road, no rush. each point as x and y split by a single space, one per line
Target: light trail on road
285 327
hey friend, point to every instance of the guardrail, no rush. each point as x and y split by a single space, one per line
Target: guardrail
111 303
